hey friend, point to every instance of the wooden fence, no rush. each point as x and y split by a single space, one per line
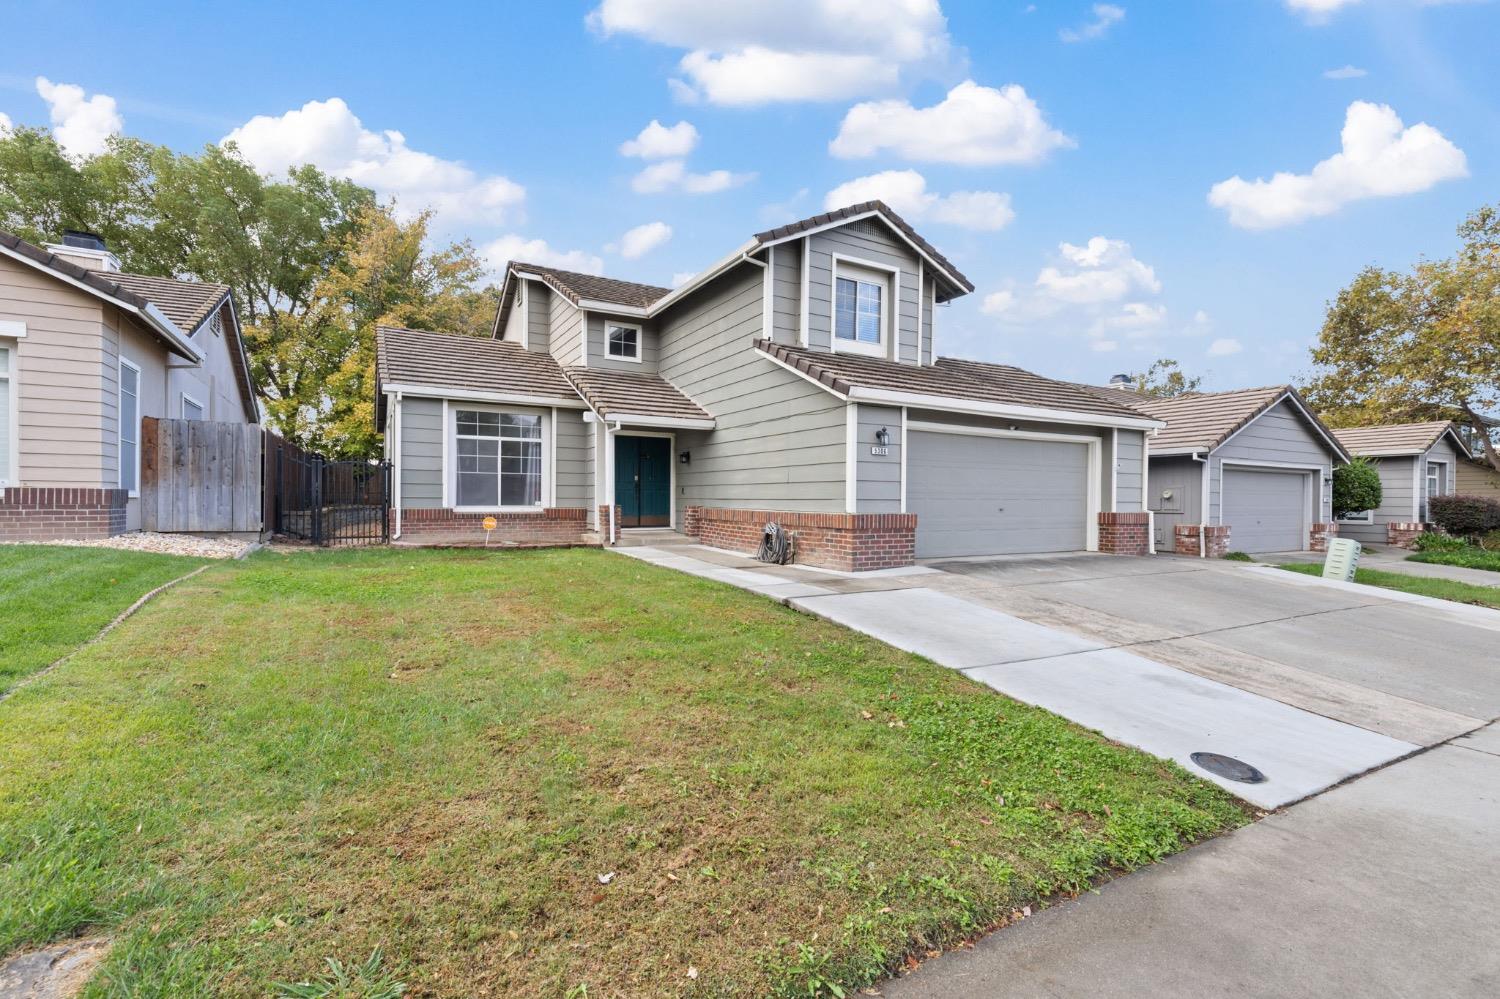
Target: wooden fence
200 477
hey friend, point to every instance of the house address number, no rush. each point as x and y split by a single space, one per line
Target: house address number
879 449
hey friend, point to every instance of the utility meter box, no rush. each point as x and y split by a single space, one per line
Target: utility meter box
1342 560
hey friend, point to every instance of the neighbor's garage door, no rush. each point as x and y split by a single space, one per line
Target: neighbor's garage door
996 495
1265 510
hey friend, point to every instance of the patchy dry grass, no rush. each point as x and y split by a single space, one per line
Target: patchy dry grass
56 598
545 774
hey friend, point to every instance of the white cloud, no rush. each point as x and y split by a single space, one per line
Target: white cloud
1224 346
1344 73
5 124
972 125
670 175
1318 11
683 277
643 239
1098 290
1106 16
329 136
1380 158
906 192
785 50
80 124
656 141
499 252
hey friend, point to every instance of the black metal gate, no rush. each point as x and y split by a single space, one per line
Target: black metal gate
329 502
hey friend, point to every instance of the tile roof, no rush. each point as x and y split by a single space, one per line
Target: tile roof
631 393
977 381
1201 421
863 208
186 303
577 287
1392 439
442 360
96 280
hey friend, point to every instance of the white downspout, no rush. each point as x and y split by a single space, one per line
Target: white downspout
1203 508
609 478
396 451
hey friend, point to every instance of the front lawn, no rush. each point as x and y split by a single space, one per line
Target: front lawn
554 774
1427 586
1470 558
55 598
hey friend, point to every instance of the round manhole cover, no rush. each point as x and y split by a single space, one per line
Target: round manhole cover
1228 767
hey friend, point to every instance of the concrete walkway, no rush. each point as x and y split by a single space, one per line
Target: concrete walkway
1172 656
1387 886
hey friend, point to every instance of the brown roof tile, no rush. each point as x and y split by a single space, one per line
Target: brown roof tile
629 393
419 357
1392 439
838 214
577 287
957 379
1201 421
186 303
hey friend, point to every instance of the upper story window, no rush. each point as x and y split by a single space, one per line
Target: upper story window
499 459
860 317
623 342
192 409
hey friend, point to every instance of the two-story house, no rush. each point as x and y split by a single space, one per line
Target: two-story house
87 352
796 380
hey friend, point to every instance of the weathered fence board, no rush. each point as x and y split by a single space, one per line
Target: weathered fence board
200 477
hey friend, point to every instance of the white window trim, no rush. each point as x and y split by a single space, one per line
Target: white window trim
640 336
1365 517
11 476
189 399
120 423
450 466
890 309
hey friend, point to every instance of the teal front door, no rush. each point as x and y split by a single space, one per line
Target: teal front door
643 481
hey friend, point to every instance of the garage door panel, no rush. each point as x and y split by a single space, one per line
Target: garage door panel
996 495
1266 510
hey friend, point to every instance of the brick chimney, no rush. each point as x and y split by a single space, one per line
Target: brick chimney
86 249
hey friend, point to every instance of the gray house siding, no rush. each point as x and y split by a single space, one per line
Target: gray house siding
1174 495
575 456
1128 471
1447 456
420 463
929 289
1398 492
779 441
878 478
786 293
866 240
599 357
538 315
566 324
1277 436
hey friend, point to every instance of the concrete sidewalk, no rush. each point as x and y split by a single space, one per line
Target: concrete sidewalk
1387 886
1385 561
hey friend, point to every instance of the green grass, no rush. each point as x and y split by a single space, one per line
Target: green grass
1443 589
426 765
56 598
1469 558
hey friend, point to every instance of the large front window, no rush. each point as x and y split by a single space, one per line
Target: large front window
130 425
499 458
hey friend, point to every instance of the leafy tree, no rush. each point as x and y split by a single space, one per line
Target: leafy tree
1401 347
314 262
1356 487
1164 379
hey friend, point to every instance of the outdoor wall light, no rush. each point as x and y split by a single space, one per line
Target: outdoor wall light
882 436
685 457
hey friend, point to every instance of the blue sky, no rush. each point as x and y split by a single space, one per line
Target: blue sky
1070 179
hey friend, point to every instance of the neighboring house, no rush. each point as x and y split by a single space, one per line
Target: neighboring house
797 380
1477 478
1416 461
85 353
1249 470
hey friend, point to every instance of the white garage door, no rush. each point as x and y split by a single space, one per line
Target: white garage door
996 495
1266 510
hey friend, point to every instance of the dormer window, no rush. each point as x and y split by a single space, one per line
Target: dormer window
861 308
624 342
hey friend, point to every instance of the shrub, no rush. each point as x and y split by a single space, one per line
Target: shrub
1465 516
1356 487
1430 541
1490 541
1237 557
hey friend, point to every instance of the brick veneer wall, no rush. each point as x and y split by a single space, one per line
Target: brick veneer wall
852 542
549 526
1125 533
1403 535
603 511
33 513
1317 541
1185 540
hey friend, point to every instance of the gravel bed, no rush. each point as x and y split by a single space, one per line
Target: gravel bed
162 544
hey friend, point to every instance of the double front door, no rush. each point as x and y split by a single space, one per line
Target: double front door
643 481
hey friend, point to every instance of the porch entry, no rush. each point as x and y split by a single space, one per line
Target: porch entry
643 481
